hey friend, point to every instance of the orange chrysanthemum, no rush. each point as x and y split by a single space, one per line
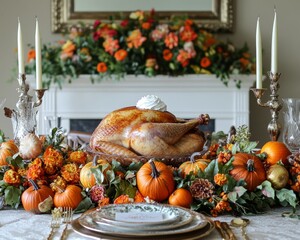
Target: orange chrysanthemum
124 198
71 173
103 202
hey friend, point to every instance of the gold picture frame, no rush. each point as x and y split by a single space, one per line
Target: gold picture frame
218 19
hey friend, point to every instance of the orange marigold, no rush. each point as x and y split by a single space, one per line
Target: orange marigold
103 202
35 172
220 179
53 160
124 198
101 67
138 198
12 177
58 184
78 157
71 173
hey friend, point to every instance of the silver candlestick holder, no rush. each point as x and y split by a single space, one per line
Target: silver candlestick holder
24 117
273 104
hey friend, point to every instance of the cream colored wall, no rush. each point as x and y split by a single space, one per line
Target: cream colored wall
246 13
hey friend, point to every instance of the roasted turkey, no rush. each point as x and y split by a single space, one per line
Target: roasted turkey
133 132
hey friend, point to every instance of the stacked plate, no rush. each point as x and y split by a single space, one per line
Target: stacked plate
143 221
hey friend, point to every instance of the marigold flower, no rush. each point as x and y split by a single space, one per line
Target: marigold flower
205 62
71 173
35 172
111 45
58 184
12 177
103 202
101 67
53 160
78 157
124 198
167 55
120 55
138 198
171 40
135 40
30 55
220 179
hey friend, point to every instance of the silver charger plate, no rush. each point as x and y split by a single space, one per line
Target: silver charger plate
173 217
194 235
198 222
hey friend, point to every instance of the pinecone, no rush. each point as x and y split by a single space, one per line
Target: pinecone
202 189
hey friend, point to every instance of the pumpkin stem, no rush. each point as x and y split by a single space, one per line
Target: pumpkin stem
95 161
155 173
250 165
33 183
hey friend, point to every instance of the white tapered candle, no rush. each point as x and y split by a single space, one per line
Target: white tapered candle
38 57
20 49
258 57
274 60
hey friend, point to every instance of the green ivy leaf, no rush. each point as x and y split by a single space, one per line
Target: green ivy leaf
236 193
286 197
12 196
267 189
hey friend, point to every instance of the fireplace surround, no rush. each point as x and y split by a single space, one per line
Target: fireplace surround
186 96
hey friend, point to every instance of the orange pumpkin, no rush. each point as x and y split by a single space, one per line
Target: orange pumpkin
181 197
69 197
193 166
276 151
87 178
249 168
155 180
7 149
34 195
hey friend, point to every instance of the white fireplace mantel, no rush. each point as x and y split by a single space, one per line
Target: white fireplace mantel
186 96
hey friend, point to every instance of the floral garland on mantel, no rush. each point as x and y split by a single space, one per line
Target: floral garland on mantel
140 45
217 183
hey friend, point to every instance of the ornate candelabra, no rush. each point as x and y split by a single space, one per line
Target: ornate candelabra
24 117
274 105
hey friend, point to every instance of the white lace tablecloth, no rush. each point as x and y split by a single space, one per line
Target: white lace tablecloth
21 225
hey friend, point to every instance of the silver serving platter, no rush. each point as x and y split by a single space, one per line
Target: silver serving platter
198 222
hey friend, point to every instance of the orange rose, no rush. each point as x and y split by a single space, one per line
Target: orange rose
146 25
120 55
205 62
101 67
167 55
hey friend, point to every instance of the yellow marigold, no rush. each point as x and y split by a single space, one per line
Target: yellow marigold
71 173
78 157
58 184
12 177
22 172
220 179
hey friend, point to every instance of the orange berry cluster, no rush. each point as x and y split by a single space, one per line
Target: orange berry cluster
295 172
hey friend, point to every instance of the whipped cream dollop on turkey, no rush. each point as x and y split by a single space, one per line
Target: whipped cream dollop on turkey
147 129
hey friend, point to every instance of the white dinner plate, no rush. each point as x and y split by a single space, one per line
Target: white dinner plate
199 221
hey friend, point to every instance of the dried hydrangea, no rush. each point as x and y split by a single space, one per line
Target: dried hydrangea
97 193
202 189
